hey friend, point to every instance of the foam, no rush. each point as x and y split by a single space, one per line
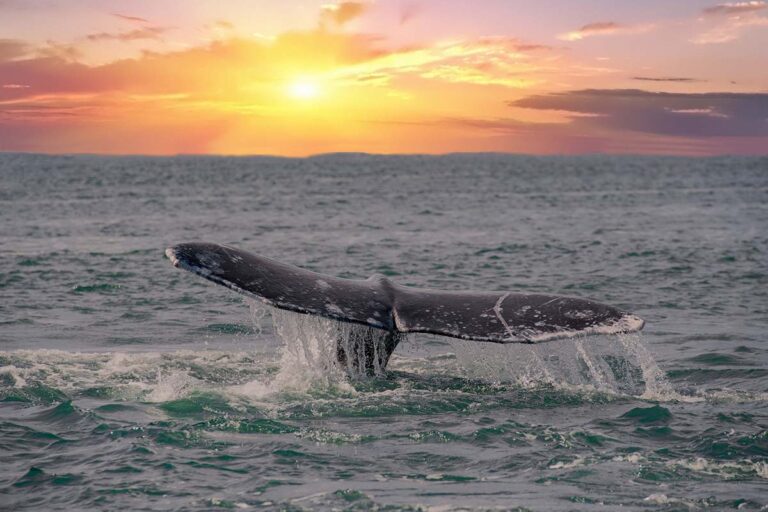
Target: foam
727 470
172 386
307 365
14 374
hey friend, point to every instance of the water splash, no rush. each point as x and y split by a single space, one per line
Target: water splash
259 313
314 346
308 363
308 354
610 364
322 353
171 386
657 386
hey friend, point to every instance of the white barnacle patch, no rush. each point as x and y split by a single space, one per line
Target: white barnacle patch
171 254
323 285
579 314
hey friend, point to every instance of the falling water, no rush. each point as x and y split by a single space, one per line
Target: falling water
611 364
321 352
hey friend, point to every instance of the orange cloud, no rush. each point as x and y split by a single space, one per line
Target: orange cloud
366 93
240 87
504 61
239 63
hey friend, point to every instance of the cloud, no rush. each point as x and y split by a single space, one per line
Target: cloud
12 48
730 30
591 29
132 35
134 19
604 28
64 51
727 22
504 61
709 111
665 79
179 88
342 12
731 8
257 65
240 64
223 25
679 114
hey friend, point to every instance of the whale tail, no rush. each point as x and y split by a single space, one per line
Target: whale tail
377 302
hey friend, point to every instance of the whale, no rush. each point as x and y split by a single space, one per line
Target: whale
388 311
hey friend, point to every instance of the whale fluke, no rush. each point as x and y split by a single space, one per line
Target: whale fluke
497 317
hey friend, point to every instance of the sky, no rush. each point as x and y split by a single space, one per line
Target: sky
302 77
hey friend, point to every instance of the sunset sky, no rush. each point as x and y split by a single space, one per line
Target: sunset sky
300 77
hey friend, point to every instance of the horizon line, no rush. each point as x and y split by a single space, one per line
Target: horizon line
367 154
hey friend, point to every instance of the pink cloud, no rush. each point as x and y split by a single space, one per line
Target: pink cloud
134 19
131 35
604 28
735 8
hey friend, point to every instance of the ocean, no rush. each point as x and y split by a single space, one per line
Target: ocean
127 383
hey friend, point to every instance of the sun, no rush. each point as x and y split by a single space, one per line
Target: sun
303 89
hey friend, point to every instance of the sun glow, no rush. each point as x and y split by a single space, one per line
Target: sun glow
303 89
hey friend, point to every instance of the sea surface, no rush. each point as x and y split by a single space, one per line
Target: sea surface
128 384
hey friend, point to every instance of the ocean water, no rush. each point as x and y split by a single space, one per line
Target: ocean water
126 383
